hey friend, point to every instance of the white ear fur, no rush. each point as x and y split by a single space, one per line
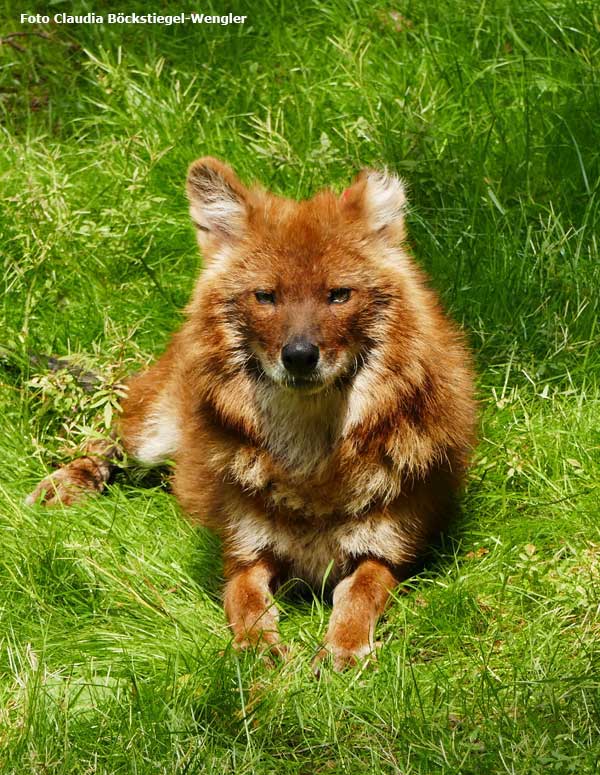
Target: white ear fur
384 199
217 201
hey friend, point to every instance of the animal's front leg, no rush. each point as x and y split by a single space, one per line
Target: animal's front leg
358 602
250 609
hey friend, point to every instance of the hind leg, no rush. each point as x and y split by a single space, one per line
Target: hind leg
147 431
72 482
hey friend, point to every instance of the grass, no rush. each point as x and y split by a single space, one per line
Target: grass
114 655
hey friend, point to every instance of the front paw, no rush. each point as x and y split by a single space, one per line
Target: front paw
69 484
264 643
344 655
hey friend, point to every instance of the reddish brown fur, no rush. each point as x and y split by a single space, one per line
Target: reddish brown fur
358 601
357 467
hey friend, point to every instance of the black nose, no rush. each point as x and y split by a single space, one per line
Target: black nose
300 357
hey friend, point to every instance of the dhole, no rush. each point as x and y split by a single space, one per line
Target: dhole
317 402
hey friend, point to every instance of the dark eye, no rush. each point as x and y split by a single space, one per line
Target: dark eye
339 295
265 297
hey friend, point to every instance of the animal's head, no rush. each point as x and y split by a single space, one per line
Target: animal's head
302 287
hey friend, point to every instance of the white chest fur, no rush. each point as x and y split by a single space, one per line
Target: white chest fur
300 431
313 553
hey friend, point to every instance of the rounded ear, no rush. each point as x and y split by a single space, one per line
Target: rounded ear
218 202
379 199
